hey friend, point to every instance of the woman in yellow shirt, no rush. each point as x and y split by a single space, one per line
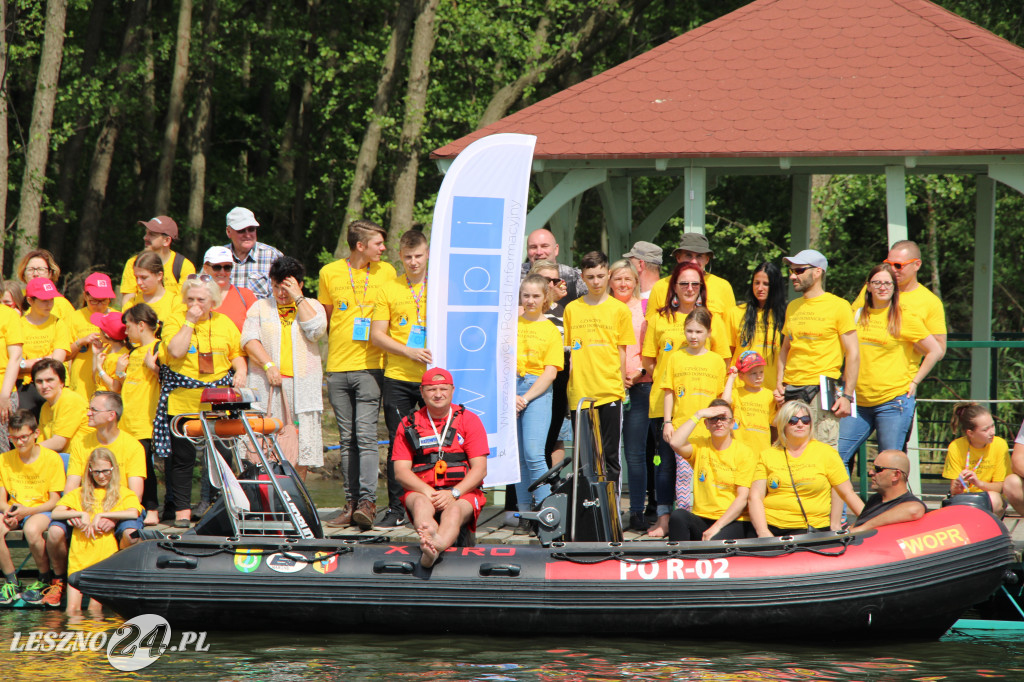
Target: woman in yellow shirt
724 468
538 359
203 346
757 324
100 497
793 482
135 378
149 277
979 460
44 336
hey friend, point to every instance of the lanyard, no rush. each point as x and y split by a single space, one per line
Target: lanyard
444 433
415 298
366 284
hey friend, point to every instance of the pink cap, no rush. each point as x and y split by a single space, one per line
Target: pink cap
110 324
436 377
43 288
98 285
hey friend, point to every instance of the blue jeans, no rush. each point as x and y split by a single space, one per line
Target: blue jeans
532 427
665 476
635 423
890 420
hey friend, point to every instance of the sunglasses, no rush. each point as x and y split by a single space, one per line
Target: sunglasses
800 270
900 264
878 470
201 278
222 267
718 420
688 285
555 280
806 420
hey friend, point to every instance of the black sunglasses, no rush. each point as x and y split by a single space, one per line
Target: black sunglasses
879 469
800 270
806 419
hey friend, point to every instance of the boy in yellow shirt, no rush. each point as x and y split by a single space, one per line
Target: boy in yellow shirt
31 478
753 405
598 328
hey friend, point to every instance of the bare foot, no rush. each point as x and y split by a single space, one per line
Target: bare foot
152 518
659 529
430 553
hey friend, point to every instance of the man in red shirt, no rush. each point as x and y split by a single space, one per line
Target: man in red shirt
440 458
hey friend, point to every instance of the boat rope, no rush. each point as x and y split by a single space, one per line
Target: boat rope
230 549
618 555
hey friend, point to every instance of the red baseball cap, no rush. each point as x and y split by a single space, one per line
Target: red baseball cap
749 360
98 285
437 377
110 324
41 287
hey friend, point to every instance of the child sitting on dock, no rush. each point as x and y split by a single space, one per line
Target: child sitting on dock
978 461
31 480
93 510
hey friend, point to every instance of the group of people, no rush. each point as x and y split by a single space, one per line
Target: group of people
741 420
736 420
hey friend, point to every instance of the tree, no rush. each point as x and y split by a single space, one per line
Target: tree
175 107
38 150
200 140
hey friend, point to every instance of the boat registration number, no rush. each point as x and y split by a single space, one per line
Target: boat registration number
675 569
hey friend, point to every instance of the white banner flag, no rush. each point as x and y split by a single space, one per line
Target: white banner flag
476 246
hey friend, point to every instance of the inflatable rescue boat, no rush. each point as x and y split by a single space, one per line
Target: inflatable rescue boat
269 567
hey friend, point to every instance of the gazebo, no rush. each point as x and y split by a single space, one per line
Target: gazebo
787 87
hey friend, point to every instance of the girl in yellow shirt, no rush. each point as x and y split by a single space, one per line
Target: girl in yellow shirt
100 497
137 380
978 461
44 336
149 277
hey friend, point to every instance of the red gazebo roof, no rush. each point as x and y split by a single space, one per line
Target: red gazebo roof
794 78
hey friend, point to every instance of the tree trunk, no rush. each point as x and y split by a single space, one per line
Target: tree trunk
106 142
71 155
175 106
366 162
200 141
408 156
4 149
38 148
931 248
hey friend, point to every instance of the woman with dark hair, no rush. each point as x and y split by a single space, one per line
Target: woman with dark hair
979 460
888 378
757 323
280 336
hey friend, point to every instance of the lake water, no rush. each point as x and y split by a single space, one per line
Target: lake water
286 656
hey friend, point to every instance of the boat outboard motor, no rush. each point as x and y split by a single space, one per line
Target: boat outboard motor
585 500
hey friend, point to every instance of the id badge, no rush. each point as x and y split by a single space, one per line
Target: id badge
417 336
361 329
206 363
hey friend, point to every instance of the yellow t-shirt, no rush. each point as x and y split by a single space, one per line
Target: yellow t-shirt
31 484
814 326
217 335
757 343
66 417
167 306
11 334
129 286
129 453
62 308
40 341
921 301
140 392
754 412
717 474
885 362
721 298
594 334
402 308
85 551
666 335
695 380
816 472
352 294
539 345
287 315
991 464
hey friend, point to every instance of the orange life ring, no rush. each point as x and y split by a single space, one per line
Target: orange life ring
234 427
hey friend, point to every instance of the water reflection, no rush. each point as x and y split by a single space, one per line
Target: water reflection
286 656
